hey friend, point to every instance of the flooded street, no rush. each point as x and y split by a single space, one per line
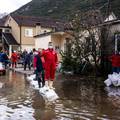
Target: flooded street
80 99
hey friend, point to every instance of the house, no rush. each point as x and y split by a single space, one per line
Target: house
110 43
59 39
22 30
111 35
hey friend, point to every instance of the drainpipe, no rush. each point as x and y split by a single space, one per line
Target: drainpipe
20 38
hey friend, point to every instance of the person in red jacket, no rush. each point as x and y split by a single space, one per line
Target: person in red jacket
51 59
115 59
14 58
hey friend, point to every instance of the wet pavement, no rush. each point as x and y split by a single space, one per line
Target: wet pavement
80 99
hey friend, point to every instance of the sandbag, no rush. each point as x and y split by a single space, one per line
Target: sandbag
108 82
49 94
34 84
113 91
113 79
31 77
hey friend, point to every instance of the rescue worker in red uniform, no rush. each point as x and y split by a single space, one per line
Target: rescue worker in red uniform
51 59
115 59
14 58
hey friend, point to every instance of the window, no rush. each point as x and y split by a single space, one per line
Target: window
7 30
57 48
28 32
117 42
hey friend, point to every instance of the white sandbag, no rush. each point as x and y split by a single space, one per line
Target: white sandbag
44 89
118 80
113 91
109 76
31 77
118 83
108 82
34 83
118 92
48 94
115 79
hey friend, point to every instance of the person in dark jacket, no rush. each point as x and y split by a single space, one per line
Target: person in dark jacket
4 58
27 61
39 70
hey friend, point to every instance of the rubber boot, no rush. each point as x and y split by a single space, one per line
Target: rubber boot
39 82
46 83
51 85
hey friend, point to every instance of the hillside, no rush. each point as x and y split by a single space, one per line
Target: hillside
63 9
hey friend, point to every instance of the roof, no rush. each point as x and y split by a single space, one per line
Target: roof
111 17
2 21
112 22
10 39
44 34
5 27
42 21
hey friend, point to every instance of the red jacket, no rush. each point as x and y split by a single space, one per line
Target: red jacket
14 57
115 59
50 57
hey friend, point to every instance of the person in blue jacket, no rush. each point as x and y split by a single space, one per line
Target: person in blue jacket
4 58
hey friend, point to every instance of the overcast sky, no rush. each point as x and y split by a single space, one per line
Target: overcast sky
11 5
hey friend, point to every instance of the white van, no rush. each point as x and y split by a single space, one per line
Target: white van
2 69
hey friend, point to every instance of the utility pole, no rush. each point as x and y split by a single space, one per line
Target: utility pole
104 62
108 10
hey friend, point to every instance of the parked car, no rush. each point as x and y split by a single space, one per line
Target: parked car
2 69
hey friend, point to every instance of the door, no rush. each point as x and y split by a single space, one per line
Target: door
117 42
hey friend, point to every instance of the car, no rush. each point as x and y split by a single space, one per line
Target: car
2 69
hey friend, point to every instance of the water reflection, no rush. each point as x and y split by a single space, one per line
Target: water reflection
80 99
114 95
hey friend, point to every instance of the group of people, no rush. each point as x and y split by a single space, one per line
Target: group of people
4 59
43 61
15 58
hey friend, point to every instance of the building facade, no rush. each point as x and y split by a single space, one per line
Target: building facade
22 30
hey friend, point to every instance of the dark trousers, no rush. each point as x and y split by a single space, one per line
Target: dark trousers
40 78
115 69
5 63
27 64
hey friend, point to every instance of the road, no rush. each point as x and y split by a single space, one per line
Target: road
80 99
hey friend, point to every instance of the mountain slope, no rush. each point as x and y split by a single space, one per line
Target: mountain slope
63 9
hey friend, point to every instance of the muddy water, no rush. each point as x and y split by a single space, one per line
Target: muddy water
80 99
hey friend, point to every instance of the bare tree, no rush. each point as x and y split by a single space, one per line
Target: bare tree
86 37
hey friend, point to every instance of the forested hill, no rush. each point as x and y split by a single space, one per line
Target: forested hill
63 9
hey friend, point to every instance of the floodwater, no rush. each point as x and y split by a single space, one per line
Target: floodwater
79 99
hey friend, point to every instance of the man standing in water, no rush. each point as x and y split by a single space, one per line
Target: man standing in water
51 59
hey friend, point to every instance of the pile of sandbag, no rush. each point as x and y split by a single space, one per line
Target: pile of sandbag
113 79
33 82
48 94
113 91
